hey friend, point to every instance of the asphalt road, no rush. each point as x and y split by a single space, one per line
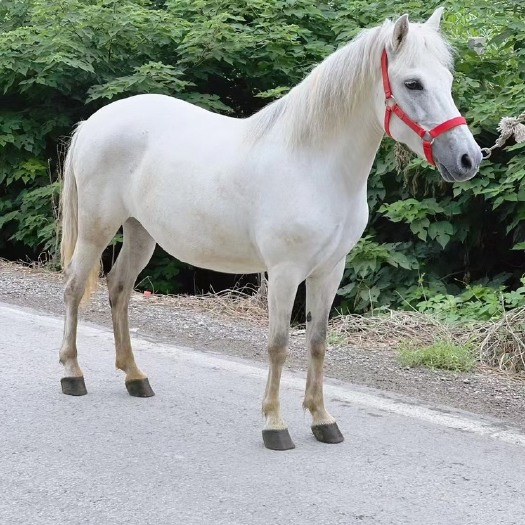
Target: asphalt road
193 454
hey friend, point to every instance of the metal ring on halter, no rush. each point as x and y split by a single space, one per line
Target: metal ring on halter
390 99
427 134
486 153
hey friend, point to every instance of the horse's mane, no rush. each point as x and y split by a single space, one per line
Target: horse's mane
321 103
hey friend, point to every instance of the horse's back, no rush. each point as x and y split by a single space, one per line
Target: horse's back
127 127
153 144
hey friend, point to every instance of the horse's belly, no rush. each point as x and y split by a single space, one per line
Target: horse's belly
217 260
206 245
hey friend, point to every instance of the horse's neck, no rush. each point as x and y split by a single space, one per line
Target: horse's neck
331 115
355 145
339 113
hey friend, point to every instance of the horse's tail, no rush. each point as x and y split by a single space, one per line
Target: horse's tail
69 218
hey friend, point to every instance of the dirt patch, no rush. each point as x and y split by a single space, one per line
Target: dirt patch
218 324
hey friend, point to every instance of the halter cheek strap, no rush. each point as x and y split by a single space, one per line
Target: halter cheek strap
427 135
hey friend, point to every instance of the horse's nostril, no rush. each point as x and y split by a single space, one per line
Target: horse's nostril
466 162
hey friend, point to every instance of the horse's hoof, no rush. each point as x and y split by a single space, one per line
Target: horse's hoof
73 386
277 439
139 388
328 433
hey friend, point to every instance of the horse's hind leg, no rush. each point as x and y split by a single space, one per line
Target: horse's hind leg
86 256
136 251
320 293
282 287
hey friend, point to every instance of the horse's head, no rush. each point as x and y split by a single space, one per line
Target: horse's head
416 105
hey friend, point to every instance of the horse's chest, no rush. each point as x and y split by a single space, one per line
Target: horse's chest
340 235
347 213
348 233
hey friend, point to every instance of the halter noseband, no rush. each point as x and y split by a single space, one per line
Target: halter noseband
427 136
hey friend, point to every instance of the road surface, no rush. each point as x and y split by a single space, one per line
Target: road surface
193 454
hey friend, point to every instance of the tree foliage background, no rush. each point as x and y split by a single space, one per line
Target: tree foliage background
429 244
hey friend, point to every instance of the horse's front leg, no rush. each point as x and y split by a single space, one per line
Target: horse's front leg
282 288
320 293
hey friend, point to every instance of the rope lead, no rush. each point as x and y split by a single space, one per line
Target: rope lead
508 127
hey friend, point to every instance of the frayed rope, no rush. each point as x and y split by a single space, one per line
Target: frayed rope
508 127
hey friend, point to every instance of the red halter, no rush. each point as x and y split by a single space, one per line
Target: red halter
427 136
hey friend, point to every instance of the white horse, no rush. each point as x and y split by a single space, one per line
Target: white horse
283 191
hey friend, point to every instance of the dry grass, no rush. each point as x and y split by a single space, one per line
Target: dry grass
390 330
243 304
498 344
41 265
503 343
248 303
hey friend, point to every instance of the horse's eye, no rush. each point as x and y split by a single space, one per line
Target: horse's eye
414 84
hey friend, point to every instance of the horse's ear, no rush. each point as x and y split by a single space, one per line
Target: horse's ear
435 20
400 32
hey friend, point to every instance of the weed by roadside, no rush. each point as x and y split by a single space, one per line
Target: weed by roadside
442 354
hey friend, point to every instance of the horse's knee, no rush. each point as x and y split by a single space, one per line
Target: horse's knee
317 344
278 350
278 341
317 350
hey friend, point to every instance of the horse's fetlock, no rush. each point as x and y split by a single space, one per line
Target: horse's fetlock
315 405
121 364
308 403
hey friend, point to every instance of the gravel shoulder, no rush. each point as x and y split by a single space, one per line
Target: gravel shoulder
211 326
